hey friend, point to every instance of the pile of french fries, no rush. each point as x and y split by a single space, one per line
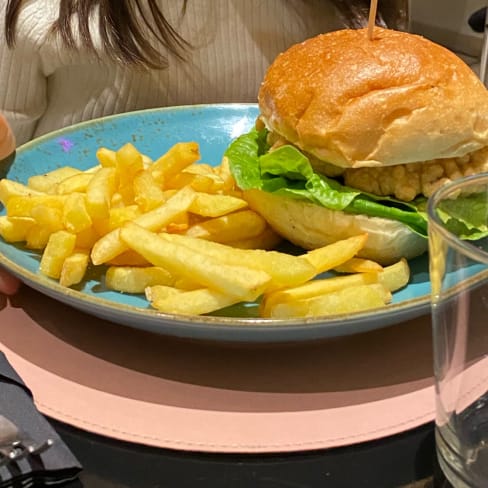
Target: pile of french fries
179 231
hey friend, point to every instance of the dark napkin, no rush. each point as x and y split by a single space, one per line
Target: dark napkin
54 466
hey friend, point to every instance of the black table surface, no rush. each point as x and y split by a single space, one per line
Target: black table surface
406 460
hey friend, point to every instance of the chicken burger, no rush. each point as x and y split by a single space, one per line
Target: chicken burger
354 135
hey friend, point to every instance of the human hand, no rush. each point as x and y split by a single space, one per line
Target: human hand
8 283
7 139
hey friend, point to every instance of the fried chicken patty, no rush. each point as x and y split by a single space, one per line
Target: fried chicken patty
407 181
403 181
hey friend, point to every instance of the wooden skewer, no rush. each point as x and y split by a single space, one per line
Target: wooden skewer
373 7
484 56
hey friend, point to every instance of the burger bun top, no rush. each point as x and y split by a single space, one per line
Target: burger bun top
356 102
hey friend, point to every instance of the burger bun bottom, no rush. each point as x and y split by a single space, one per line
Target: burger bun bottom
311 226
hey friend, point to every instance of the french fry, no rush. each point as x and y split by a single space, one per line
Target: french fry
107 248
237 281
186 284
172 209
101 226
214 205
158 293
147 193
14 229
132 279
179 224
314 289
75 216
77 183
128 164
10 188
347 300
206 180
201 169
60 245
267 240
175 160
194 302
228 182
99 192
49 218
129 258
47 182
117 201
242 224
283 269
395 276
37 237
359 265
74 268
146 161
119 215
128 161
21 206
86 238
106 157
328 257
199 183
110 245
92 170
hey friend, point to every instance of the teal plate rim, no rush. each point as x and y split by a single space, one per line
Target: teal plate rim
217 124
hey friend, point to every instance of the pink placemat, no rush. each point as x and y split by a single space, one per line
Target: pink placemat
166 392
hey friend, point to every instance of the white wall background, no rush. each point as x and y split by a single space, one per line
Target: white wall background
446 22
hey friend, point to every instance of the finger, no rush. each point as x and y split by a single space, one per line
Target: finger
7 140
8 283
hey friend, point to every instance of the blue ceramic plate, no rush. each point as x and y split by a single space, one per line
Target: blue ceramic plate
153 132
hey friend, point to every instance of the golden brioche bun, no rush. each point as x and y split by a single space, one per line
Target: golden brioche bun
355 102
311 226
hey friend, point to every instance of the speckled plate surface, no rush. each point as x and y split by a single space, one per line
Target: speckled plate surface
153 132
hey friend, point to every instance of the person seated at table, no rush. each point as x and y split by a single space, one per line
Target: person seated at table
60 65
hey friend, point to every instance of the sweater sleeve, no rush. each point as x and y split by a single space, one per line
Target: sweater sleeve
23 94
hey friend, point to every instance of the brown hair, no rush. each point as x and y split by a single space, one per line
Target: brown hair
391 13
122 34
124 39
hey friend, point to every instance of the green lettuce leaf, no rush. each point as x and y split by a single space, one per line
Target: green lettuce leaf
466 216
288 172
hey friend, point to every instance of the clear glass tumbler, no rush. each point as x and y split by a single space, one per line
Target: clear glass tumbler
458 257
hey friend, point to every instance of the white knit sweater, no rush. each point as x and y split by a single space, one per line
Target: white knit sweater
44 86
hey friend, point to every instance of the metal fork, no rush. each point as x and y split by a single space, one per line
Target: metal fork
14 446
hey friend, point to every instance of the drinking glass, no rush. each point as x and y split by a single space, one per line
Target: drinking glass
458 262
